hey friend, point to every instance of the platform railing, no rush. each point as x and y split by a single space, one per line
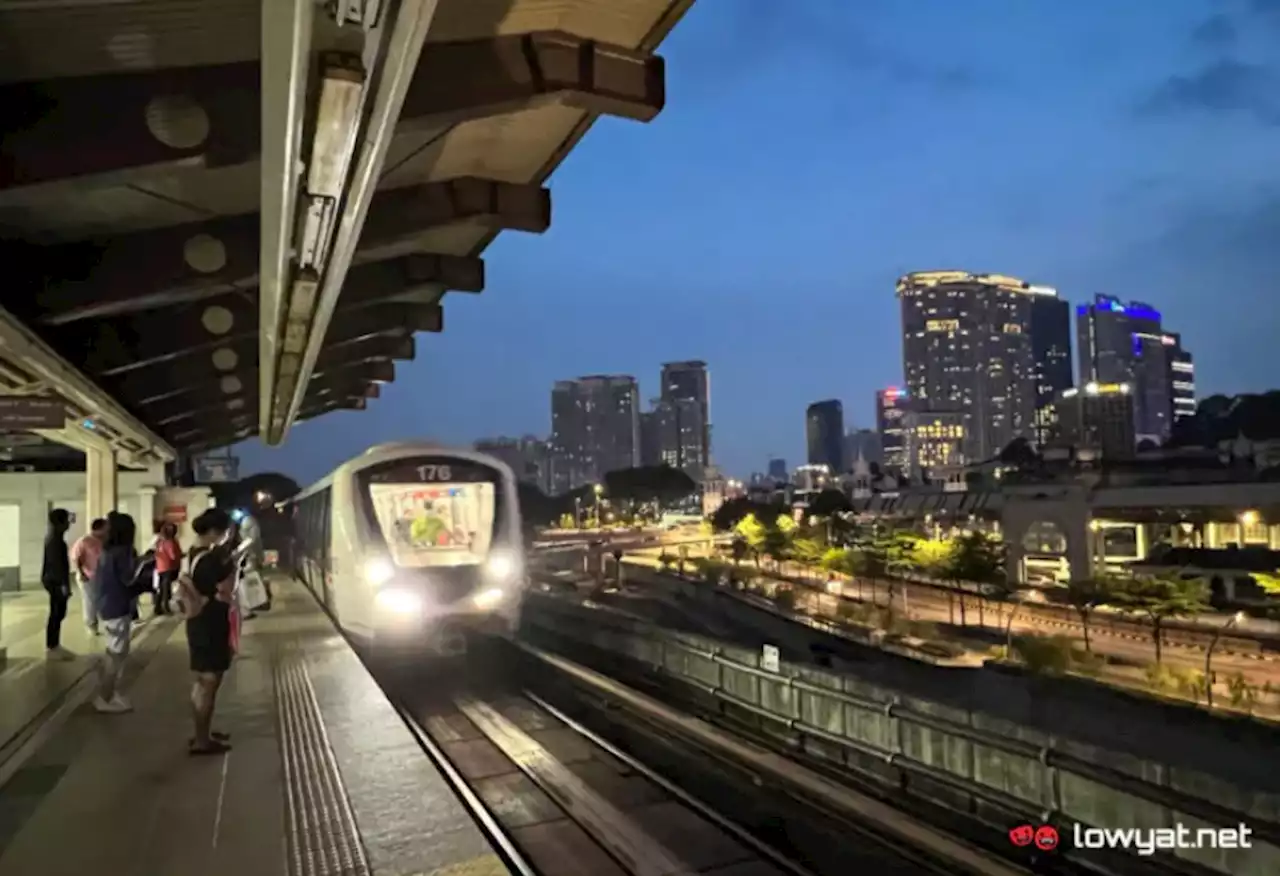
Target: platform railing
963 759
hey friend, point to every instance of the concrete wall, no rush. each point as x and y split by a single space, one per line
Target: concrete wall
34 494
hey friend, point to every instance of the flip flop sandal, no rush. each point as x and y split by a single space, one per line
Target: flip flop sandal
215 735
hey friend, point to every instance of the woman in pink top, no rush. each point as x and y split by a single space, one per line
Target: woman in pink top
84 560
168 564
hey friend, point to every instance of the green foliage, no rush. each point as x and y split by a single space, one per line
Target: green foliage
933 557
752 532
1183 681
1047 655
807 550
828 503
652 483
730 513
738 549
1160 597
1242 694
977 557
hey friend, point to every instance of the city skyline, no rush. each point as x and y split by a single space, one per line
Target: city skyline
1139 186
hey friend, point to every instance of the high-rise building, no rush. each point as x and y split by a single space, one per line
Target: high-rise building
778 471
686 392
891 404
1182 376
1097 417
679 430
595 429
1050 352
934 445
529 458
650 442
966 348
824 434
1125 343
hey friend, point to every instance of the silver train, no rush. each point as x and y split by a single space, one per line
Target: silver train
412 546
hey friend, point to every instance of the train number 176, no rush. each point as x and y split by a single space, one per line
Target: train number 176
434 472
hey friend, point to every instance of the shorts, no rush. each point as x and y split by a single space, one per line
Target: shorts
118 631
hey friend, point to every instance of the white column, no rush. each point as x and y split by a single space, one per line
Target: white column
101 493
147 514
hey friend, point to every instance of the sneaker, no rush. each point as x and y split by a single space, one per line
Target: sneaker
59 654
113 706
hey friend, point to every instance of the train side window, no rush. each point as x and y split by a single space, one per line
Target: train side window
326 505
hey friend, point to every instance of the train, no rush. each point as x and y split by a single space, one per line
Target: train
414 548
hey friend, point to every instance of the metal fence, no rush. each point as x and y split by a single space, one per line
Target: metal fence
926 747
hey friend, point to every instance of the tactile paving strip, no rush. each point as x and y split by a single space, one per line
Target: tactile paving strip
323 837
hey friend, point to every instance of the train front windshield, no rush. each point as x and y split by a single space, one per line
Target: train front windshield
434 513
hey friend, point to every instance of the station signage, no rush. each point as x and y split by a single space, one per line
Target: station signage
32 412
216 469
174 514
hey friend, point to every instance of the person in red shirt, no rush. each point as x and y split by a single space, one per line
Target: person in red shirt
84 561
168 564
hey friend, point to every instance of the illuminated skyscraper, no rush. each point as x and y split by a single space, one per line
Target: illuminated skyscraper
1126 343
967 348
684 415
595 429
891 404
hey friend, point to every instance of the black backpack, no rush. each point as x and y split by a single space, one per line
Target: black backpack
144 576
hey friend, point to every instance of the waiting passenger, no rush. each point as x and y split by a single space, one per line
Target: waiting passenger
115 580
55 575
206 597
85 554
168 564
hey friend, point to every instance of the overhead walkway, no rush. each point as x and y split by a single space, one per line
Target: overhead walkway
323 779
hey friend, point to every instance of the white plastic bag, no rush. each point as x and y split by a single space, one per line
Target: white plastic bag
253 593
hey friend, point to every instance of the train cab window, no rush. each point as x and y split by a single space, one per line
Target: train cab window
433 512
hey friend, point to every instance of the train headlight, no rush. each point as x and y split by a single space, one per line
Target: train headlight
378 571
501 567
487 599
397 601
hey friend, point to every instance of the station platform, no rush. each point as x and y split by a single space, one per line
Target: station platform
323 779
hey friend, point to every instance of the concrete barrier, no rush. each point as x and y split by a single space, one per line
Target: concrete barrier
977 740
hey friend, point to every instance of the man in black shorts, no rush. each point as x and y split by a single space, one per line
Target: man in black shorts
212 578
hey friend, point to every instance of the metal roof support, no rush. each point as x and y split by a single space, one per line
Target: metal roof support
20 344
399 62
286 56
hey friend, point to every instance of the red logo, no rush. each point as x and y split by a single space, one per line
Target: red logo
1022 835
1044 837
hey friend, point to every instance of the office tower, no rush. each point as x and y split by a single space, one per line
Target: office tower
863 444
1182 377
686 394
528 457
1125 343
966 348
679 430
891 404
1051 352
824 434
1098 417
778 471
595 429
933 445
650 441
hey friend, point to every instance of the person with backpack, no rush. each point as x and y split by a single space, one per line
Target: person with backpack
116 582
205 594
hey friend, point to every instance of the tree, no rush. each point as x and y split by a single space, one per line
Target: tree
536 507
753 533
778 538
978 558
650 483
1087 594
828 503
1160 598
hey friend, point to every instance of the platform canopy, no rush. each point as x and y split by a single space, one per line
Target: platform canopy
224 216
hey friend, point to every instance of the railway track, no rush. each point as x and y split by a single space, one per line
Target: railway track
558 798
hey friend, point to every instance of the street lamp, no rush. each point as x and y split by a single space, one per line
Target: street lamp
1208 656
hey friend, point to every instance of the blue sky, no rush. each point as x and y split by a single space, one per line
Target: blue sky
812 151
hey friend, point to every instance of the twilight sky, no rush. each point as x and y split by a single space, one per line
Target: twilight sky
812 151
